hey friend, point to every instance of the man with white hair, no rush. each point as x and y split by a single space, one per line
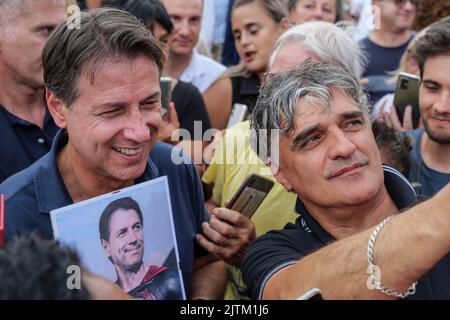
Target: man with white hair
26 127
229 233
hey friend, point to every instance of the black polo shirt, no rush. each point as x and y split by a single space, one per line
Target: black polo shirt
23 142
278 249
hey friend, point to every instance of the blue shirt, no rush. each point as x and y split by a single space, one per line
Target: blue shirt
23 142
31 194
425 180
278 249
380 61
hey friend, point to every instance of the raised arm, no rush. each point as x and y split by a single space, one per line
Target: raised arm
406 248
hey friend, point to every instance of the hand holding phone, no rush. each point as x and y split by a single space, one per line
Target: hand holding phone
407 94
250 195
166 94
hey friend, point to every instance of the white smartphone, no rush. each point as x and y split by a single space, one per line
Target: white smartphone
238 114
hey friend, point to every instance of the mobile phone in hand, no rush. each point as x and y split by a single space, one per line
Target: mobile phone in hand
166 93
238 114
250 195
407 94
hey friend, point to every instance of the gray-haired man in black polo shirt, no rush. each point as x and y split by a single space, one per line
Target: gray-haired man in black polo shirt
329 158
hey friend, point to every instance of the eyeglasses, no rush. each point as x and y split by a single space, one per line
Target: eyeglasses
401 3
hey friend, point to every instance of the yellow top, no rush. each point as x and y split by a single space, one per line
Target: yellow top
233 161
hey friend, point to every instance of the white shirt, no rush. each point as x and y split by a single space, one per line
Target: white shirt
202 71
367 21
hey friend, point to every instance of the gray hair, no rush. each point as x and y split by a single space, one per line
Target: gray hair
104 33
278 99
330 43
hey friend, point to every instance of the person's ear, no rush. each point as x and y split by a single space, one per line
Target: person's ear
57 108
279 175
284 24
106 247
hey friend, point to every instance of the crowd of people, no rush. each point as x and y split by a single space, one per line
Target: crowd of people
360 196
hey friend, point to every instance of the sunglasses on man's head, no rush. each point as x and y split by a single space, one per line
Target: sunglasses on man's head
401 3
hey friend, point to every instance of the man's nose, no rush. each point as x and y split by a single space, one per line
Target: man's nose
137 129
340 145
442 105
132 237
183 28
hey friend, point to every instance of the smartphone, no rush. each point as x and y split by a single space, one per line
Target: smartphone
238 114
250 195
312 294
407 94
166 93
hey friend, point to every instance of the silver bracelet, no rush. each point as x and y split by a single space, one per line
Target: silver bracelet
376 278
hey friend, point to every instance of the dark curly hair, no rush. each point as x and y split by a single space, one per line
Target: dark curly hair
394 146
32 268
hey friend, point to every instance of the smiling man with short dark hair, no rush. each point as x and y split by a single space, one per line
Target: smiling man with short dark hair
103 90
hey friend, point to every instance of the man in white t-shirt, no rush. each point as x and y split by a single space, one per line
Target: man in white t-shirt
186 64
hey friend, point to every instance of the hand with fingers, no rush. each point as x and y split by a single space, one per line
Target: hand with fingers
392 120
170 124
227 235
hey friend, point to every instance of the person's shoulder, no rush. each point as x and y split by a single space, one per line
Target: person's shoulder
185 86
291 233
21 202
186 90
167 155
240 130
244 125
208 63
365 42
172 161
415 134
21 185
